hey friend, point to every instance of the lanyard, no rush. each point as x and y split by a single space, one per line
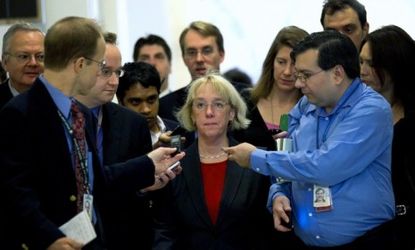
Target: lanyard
81 154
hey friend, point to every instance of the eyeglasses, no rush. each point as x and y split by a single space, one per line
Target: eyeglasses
101 64
24 58
216 105
192 53
303 77
107 72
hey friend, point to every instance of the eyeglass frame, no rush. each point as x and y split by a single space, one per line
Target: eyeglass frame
101 64
215 105
103 67
304 77
192 53
21 60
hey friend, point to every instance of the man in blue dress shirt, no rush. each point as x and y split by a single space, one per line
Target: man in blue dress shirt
342 133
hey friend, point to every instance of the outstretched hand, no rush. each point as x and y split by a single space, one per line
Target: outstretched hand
163 159
241 153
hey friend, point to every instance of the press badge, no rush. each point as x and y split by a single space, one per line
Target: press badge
322 200
88 205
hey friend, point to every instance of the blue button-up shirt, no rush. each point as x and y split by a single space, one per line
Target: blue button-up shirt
347 150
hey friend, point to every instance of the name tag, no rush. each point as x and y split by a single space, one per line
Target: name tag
322 200
88 204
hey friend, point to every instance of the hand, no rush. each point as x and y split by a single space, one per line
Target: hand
280 211
165 139
162 179
65 243
282 134
241 153
162 158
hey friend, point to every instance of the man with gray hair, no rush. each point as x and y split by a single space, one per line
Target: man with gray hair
22 58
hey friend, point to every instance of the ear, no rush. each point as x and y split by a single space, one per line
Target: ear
338 74
78 64
365 29
222 56
232 113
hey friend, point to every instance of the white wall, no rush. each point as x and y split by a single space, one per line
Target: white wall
248 26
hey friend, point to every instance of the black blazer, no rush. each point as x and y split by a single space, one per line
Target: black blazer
171 103
5 93
257 132
126 216
243 220
37 178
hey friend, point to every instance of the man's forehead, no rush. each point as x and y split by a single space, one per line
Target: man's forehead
341 18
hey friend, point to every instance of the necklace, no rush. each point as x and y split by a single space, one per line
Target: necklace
213 156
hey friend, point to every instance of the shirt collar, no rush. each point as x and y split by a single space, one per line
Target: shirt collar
62 101
12 89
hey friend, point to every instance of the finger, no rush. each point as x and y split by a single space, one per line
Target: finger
228 150
178 156
164 178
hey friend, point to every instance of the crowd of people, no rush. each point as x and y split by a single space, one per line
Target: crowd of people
66 150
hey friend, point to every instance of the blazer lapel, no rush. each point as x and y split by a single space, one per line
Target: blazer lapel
193 179
233 179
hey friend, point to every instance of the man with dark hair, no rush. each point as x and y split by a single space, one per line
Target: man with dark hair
50 168
154 50
139 91
342 139
22 58
347 17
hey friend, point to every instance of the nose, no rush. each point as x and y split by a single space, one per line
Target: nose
32 60
113 79
299 84
364 70
199 56
152 61
209 110
145 108
289 69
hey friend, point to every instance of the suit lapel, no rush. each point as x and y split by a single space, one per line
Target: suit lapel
193 179
233 179
41 109
112 136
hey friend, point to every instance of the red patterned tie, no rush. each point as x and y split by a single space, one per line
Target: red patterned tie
79 153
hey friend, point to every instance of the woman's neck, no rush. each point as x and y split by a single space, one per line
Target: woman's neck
210 150
278 102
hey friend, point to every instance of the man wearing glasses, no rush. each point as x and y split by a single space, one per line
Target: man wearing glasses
342 138
50 170
203 51
22 58
121 135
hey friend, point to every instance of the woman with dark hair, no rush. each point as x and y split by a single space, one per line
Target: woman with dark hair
386 58
274 93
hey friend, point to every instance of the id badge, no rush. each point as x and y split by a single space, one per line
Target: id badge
88 204
322 200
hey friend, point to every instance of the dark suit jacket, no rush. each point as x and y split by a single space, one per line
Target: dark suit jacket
127 217
5 93
37 178
171 103
243 221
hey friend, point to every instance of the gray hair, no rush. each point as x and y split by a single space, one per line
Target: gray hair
226 90
25 27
